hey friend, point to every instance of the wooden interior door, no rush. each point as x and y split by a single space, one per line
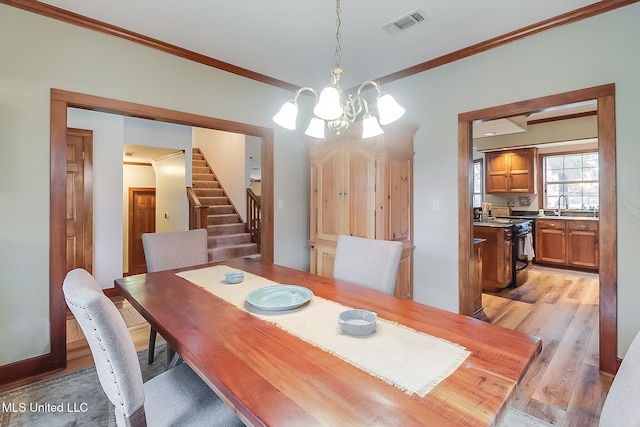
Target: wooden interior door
142 219
79 205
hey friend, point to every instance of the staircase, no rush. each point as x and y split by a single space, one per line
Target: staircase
227 235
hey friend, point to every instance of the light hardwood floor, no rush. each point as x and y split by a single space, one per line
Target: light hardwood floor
564 386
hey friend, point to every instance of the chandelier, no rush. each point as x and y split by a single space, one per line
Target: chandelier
330 112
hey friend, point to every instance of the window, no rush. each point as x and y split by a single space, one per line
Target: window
478 173
574 176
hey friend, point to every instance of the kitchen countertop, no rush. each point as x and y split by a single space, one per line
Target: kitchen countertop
563 217
493 223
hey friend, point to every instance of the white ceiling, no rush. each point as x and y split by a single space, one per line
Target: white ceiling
144 154
294 40
519 124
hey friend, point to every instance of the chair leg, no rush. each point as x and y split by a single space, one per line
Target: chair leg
173 358
152 346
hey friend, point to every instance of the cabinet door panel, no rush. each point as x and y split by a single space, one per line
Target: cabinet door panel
325 258
550 246
507 256
496 173
403 281
521 172
400 193
477 277
360 193
582 241
329 198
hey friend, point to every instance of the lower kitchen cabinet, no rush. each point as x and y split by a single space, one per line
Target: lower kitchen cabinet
477 274
497 256
551 241
582 243
571 243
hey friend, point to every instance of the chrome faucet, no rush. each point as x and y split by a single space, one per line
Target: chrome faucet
566 204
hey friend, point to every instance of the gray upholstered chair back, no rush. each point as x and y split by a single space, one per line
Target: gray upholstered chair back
622 405
175 249
113 351
368 262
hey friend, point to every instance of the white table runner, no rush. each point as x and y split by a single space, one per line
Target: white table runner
410 360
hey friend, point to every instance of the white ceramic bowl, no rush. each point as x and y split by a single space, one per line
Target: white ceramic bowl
234 277
358 322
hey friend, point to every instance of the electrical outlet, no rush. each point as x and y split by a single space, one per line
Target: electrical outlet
436 205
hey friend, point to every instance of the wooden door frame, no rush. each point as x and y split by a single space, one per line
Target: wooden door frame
608 274
61 100
130 215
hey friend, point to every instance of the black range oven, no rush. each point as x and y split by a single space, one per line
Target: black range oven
523 250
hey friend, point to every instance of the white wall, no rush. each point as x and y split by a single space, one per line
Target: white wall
225 152
596 51
38 54
172 206
152 133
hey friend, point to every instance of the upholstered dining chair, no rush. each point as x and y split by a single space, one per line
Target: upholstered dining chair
368 262
621 405
175 397
173 249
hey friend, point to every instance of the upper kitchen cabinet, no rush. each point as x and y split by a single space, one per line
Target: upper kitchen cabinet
362 187
511 171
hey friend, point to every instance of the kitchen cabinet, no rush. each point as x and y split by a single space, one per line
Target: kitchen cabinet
511 171
497 256
477 274
567 242
362 187
551 241
582 244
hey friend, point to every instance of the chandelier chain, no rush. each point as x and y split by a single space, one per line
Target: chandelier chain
333 112
338 22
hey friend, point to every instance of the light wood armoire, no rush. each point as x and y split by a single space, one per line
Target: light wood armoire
363 187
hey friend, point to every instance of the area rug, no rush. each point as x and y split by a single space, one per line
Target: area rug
73 399
77 400
516 418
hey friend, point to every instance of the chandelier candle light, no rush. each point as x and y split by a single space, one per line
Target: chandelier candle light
331 113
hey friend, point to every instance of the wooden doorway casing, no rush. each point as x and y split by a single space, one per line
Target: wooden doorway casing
142 219
605 96
62 100
79 221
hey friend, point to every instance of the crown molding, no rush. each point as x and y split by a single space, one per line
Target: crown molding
92 24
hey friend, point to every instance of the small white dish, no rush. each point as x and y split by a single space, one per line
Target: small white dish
234 277
358 322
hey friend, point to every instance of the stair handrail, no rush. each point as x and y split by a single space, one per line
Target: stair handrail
254 216
197 211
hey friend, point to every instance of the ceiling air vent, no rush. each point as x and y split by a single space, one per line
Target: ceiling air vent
405 22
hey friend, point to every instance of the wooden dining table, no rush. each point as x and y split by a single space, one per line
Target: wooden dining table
273 378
